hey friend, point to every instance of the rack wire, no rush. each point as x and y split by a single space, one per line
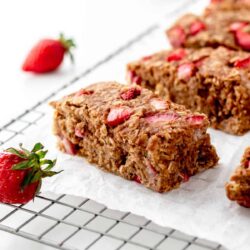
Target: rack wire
68 222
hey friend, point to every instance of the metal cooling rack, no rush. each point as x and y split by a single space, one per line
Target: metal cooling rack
68 222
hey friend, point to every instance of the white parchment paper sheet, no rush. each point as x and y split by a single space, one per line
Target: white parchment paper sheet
199 207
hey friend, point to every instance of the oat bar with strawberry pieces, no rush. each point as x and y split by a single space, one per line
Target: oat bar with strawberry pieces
230 29
211 81
131 132
227 5
238 188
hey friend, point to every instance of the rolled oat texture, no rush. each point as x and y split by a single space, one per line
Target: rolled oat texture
238 188
218 28
211 81
227 5
129 131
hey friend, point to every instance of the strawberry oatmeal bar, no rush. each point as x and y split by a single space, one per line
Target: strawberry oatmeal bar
131 132
225 5
227 28
211 81
238 189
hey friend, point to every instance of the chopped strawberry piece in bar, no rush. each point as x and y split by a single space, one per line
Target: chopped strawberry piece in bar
185 177
150 169
247 164
177 36
162 117
79 132
84 92
131 75
118 115
195 119
146 58
237 25
130 93
243 39
137 80
69 146
177 55
158 104
243 63
185 71
196 27
133 78
137 179
199 61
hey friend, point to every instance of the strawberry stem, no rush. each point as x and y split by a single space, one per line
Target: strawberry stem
68 44
34 162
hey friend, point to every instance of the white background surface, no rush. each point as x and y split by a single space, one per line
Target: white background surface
98 27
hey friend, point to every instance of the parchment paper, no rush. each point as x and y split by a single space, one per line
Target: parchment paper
199 207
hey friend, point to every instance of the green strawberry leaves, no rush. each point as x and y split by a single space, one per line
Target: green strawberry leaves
34 161
21 165
38 146
67 44
16 152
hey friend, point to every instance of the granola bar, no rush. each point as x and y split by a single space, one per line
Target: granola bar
238 188
207 80
230 29
227 5
129 131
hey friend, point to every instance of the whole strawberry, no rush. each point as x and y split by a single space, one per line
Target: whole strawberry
21 173
47 55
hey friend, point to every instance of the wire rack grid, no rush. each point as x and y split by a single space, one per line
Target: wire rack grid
67 222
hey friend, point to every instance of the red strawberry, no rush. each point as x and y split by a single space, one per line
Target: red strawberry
79 132
185 71
133 78
137 80
150 169
84 92
146 58
196 27
195 119
237 25
243 39
242 63
247 164
69 147
21 173
184 176
47 55
130 93
158 104
216 1
199 61
137 179
176 55
130 76
162 117
118 115
177 36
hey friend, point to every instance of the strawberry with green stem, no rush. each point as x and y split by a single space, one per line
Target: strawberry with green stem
21 173
47 55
